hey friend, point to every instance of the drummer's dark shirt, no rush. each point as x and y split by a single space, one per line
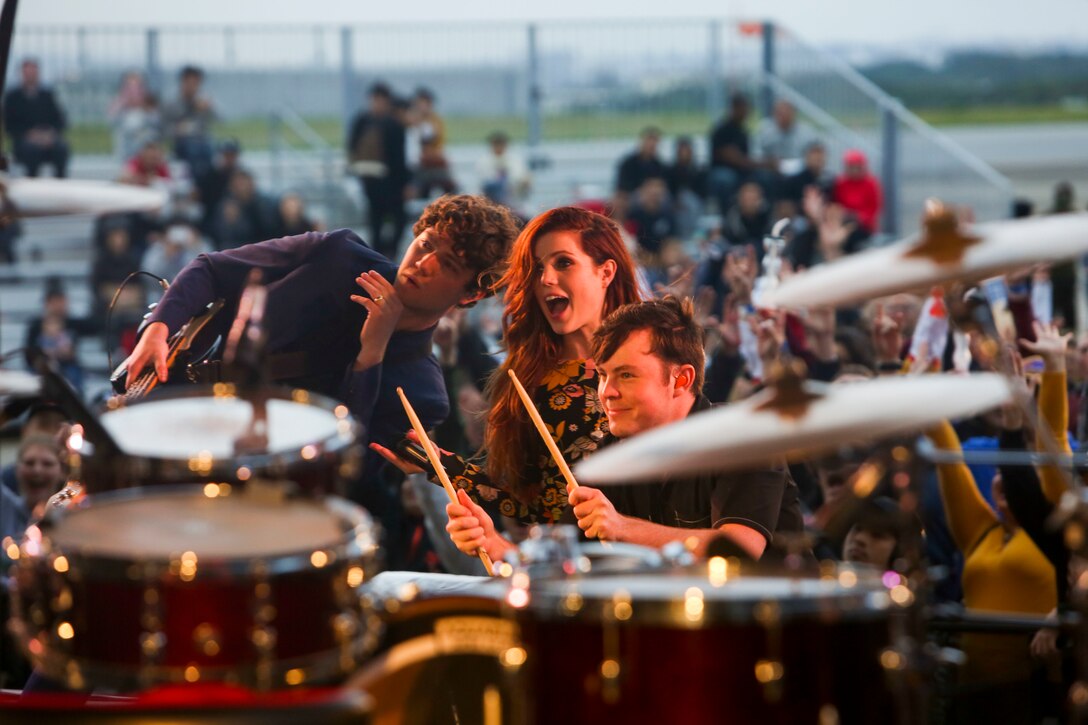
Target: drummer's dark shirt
765 499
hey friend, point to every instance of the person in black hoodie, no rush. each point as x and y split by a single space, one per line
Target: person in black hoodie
377 152
36 124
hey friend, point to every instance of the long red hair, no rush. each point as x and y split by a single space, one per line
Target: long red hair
531 345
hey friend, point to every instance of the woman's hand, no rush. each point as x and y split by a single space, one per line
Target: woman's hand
1051 345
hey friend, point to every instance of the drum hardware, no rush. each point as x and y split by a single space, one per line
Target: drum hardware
954 618
930 452
677 554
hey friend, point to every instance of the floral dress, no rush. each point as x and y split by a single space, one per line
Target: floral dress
568 405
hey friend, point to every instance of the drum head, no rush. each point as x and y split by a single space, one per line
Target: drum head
164 524
188 427
685 598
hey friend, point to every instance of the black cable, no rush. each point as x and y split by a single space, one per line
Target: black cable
165 284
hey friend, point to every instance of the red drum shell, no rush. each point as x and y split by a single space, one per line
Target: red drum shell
603 650
270 600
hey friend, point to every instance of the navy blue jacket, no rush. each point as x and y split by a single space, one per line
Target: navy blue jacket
310 279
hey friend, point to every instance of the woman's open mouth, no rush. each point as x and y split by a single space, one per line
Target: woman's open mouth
556 304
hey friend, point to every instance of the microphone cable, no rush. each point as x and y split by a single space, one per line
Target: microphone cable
165 284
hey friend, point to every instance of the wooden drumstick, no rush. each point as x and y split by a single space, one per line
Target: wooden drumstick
547 436
544 432
439 469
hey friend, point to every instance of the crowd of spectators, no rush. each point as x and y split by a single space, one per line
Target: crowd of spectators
396 147
696 228
215 201
746 184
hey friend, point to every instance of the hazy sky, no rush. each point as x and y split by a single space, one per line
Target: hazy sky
877 22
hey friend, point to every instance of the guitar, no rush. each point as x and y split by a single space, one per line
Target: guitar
179 346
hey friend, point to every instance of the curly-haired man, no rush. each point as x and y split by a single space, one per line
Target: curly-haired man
341 319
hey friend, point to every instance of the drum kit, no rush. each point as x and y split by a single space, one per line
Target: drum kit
227 581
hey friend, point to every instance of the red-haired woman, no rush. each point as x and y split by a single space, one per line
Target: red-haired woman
568 270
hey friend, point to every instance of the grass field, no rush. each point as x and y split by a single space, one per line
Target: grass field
254 133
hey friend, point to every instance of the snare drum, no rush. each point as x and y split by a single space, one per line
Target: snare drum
182 584
189 436
679 647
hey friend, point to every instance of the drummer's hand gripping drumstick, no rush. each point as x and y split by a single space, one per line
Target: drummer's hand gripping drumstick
439 469
546 435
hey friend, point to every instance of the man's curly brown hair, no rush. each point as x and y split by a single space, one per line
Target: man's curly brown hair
480 230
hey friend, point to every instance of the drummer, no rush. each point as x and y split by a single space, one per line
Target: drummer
650 360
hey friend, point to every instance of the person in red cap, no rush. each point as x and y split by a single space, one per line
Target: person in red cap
859 191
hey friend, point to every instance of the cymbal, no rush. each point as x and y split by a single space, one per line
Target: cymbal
942 252
19 384
49 197
777 423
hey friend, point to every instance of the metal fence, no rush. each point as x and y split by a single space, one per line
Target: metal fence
575 93
914 161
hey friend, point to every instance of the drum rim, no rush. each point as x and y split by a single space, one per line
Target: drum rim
867 599
329 665
358 541
226 467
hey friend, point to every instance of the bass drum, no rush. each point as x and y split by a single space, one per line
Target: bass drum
443 660
692 648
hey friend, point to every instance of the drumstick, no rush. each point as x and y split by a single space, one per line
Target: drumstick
544 433
548 440
439 469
